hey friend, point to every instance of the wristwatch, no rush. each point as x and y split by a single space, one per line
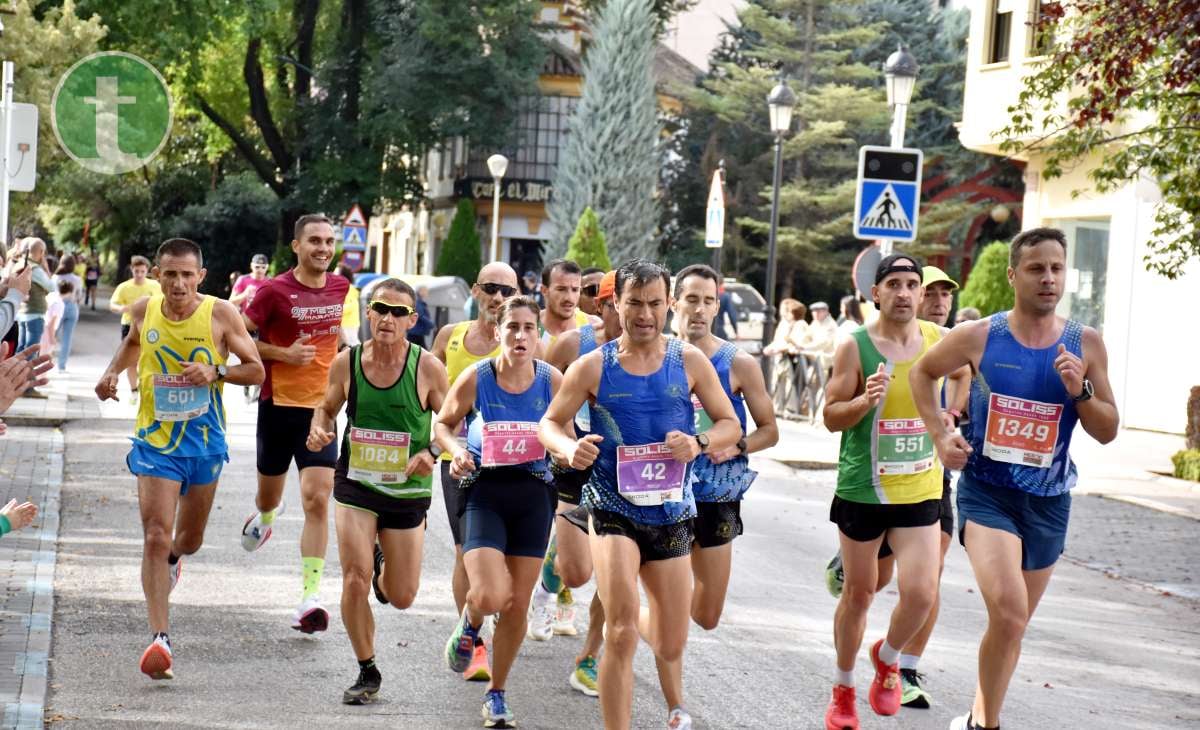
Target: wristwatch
1087 392
222 371
433 450
741 446
702 439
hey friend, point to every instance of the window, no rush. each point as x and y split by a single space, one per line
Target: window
541 133
1042 14
1000 29
1087 271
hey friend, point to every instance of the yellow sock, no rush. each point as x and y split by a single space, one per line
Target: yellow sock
268 517
313 568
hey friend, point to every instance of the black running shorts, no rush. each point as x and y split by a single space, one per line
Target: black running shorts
391 513
655 542
283 435
717 523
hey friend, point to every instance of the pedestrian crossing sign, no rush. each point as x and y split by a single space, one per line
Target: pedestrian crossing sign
888 194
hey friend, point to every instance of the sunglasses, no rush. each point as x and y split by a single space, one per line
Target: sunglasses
591 290
490 288
396 310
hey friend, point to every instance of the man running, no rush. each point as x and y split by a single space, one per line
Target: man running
1035 375
561 283
509 502
383 479
570 556
247 285
642 444
297 315
180 341
722 477
460 346
589 289
122 300
889 485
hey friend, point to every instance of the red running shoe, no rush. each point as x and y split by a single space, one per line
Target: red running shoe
156 660
885 688
841 714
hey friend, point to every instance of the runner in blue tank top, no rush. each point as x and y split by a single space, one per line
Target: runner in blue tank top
721 478
509 503
569 559
1035 374
641 449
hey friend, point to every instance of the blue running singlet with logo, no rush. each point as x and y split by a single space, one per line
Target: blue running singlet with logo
729 480
1021 414
632 410
493 404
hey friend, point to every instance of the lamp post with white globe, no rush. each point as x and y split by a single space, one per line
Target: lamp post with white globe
497 165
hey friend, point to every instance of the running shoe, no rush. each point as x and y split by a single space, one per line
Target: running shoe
834 575
841 713
564 614
364 689
885 688
310 616
495 710
254 533
962 722
912 694
375 575
478 670
174 571
584 677
156 660
460 647
679 719
541 618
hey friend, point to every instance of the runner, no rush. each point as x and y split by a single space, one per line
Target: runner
382 484
91 277
122 300
561 283
509 494
589 290
889 485
180 341
247 285
570 556
460 346
723 477
297 316
1036 374
935 307
639 495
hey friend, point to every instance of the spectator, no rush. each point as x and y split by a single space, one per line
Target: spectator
69 317
15 516
13 290
780 344
529 287
350 309
727 311
852 317
967 314
31 316
91 279
419 332
822 333
54 314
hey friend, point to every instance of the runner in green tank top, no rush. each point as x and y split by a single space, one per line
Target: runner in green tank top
382 481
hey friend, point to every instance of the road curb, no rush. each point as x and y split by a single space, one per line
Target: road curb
1150 504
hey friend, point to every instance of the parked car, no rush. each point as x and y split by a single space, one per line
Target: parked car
447 298
751 312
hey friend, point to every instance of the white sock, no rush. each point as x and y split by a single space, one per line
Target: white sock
909 661
846 679
887 654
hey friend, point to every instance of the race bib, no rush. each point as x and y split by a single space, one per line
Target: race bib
700 419
648 475
1021 431
903 447
378 457
176 399
508 443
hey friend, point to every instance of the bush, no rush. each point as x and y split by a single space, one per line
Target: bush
460 251
987 289
1187 464
587 247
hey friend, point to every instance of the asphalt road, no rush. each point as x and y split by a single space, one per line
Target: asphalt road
1111 647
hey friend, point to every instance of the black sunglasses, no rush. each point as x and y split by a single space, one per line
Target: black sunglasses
490 288
591 290
396 310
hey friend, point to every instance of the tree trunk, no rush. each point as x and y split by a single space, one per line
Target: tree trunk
1193 419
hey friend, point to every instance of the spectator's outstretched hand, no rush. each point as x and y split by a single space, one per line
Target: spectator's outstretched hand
18 374
19 515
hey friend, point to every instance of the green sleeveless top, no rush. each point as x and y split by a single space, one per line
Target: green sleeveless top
384 425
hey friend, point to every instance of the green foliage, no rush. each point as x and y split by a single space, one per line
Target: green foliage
987 289
461 250
663 10
1187 464
1132 74
587 247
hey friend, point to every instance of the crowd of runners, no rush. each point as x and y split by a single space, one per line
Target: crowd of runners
578 441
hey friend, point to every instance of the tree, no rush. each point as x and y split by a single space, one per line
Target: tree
1132 73
587 247
461 250
987 288
610 161
662 10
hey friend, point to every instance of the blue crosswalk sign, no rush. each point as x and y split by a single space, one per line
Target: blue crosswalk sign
354 235
888 194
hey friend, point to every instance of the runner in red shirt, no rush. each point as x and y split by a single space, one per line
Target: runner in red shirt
297 315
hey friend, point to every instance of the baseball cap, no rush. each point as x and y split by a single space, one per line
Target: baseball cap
260 259
932 275
896 262
818 305
608 285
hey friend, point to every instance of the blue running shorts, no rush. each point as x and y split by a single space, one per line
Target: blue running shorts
144 461
1040 522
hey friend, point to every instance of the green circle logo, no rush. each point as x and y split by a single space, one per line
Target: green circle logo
112 112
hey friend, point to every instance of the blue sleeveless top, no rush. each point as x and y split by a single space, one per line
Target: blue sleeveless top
729 480
587 339
493 403
1010 369
631 410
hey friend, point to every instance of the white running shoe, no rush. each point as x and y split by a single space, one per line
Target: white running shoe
254 533
310 616
541 618
564 614
679 719
175 570
962 722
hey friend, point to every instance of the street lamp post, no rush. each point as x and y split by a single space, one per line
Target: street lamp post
900 72
498 165
780 103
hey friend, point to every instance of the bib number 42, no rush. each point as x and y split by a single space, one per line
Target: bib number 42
655 472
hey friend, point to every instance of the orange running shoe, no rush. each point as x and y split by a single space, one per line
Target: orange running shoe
156 660
885 688
478 670
841 714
